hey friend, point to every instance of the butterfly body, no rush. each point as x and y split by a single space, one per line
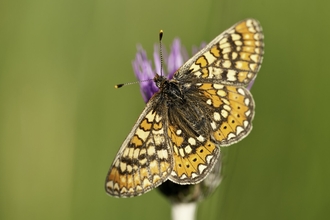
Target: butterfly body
204 106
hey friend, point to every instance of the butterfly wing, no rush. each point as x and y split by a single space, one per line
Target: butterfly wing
194 156
145 159
214 83
221 116
231 111
234 57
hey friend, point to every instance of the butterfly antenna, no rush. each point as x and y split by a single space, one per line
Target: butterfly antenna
161 51
161 64
130 83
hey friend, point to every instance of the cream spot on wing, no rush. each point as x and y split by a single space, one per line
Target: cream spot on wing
176 151
225 101
224 40
129 168
116 187
257 36
201 168
151 150
158 118
123 190
227 107
239 130
227 50
231 135
241 91
226 64
188 149
142 134
110 184
131 152
122 166
201 138
184 176
235 37
234 55
224 113
159 139
255 57
156 178
231 75
126 151
224 45
143 161
247 101
143 151
209 57
146 183
192 141
218 86
209 158
213 125
150 116
162 154
216 116
221 93
181 152
136 153
253 66
117 163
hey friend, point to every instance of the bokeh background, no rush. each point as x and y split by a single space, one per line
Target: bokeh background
62 121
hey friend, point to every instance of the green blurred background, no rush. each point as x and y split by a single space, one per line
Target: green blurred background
62 122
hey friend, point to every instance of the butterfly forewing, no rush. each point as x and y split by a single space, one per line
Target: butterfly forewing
234 57
145 158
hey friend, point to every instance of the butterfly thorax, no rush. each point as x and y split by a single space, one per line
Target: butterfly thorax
170 90
183 114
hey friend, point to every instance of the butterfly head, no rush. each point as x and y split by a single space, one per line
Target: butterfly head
160 80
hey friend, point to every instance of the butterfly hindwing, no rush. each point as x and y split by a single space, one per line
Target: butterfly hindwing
230 109
193 156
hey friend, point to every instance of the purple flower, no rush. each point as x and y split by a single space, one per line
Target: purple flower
145 73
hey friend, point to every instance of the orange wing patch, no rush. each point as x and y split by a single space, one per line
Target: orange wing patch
193 157
192 164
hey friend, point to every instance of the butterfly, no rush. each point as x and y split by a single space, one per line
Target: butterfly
204 106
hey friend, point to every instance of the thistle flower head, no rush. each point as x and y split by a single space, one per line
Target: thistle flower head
145 72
